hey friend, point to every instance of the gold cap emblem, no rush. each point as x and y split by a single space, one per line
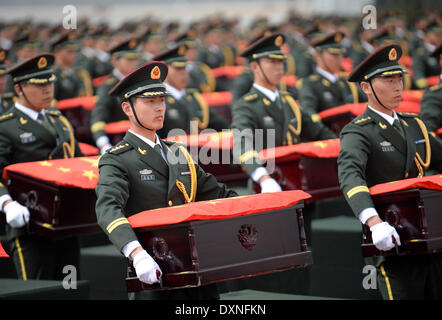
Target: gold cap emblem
155 73
338 38
181 50
392 55
42 63
132 43
2 55
278 41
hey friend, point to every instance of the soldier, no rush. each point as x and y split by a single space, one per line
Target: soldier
264 107
125 58
424 65
326 88
200 75
151 45
185 105
431 103
382 146
71 82
31 131
136 175
211 52
4 103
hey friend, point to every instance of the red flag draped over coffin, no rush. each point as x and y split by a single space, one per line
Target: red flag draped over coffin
81 172
218 209
428 182
3 254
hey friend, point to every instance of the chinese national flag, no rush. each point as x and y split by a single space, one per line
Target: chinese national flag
218 209
428 182
315 149
117 127
3 254
81 172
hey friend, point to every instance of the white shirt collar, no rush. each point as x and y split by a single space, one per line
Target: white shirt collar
118 74
28 111
367 46
177 94
330 77
272 95
389 119
148 141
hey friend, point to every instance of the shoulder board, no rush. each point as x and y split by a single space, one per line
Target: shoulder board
314 77
191 90
7 116
436 87
362 120
120 148
250 97
53 113
111 80
408 115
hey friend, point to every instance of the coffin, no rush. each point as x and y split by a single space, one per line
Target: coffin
311 167
412 206
338 117
60 195
222 239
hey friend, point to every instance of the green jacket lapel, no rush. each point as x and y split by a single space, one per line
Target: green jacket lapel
411 149
388 132
147 154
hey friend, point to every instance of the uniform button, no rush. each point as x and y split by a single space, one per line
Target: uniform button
170 203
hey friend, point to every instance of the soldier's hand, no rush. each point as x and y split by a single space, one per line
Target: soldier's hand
383 234
269 185
16 215
105 148
146 268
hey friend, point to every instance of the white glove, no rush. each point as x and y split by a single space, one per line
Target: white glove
270 185
146 268
16 214
382 235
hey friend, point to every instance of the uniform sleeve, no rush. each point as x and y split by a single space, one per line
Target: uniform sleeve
241 85
314 130
244 125
112 193
307 97
431 111
209 188
99 114
352 162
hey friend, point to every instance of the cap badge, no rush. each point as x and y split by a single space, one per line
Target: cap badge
2 55
132 43
181 50
155 74
278 41
392 55
338 38
42 63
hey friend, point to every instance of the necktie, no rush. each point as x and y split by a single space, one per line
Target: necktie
45 123
398 127
158 149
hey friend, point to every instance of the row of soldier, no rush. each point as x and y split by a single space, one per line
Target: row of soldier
262 105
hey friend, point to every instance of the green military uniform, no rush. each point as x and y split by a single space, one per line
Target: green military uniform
191 106
373 152
71 82
5 101
318 92
424 64
134 177
431 103
256 111
107 108
23 139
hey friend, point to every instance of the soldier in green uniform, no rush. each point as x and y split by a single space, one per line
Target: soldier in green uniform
200 76
144 172
327 88
125 58
31 131
424 65
266 108
4 103
71 82
210 52
431 103
185 106
382 146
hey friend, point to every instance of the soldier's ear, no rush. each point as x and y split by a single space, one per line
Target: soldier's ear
17 89
127 109
365 87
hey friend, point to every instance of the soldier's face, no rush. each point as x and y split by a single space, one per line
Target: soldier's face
388 90
177 77
38 96
330 62
150 111
271 69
